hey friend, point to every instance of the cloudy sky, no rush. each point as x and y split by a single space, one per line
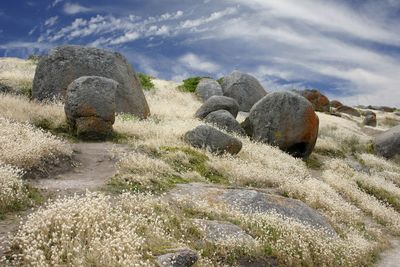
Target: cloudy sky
350 50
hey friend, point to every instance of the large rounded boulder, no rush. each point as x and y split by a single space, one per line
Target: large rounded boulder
387 144
224 120
208 88
286 120
208 137
215 103
90 106
244 88
64 64
349 111
319 101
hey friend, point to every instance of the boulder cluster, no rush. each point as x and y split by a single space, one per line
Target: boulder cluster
283 119
94 84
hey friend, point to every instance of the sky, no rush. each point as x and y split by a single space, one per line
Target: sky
349 50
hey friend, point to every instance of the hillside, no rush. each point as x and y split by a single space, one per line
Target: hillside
150 194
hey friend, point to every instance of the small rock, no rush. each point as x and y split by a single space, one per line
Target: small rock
284 119
215 103
90 106
205 136
224 120
349 111
208 88
178 258
369 118
244 88
5 89
319 101
387 144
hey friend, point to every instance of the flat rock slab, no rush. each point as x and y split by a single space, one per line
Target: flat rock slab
252 201
222 232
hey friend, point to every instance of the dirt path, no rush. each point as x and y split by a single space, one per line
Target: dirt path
94 166
391 257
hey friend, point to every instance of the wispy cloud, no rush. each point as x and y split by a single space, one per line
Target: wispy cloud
195 62
73 8
51 21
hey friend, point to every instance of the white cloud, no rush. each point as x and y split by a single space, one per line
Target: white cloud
195 62
73 8
56 2
207 19
51 21
32 30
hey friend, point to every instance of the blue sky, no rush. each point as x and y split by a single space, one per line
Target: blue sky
350 50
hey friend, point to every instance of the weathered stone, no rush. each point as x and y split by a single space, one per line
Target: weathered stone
208 88
5 89
387 144
349 111
284 119
90 106
207 137
178 258
223 119
215 103
244 88
223 232
382 108
369 118
64 64
319 101
251 201
336 104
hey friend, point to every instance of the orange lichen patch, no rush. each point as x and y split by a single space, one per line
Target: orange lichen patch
86 110
311 121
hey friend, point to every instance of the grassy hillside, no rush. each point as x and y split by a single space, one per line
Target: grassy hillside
132 219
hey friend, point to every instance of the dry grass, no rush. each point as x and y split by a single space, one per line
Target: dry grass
26 147
361 206
18 74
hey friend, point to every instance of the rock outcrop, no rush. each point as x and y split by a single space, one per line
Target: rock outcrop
286 120
336 104
244 88
208 88
387 144
224 120
64 64
215 103
90 106
319 101
207 137
349 111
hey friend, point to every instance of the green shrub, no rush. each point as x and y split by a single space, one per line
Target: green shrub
146 81
220 81
189 85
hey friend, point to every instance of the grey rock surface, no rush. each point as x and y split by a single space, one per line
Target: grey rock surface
178 258
215 103
90 106
64 64
224 120
250 201
220 232
369 118
208 88
207 137
387 144
286 120
244 88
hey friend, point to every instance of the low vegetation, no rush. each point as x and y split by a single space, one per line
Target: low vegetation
146 81
189 85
